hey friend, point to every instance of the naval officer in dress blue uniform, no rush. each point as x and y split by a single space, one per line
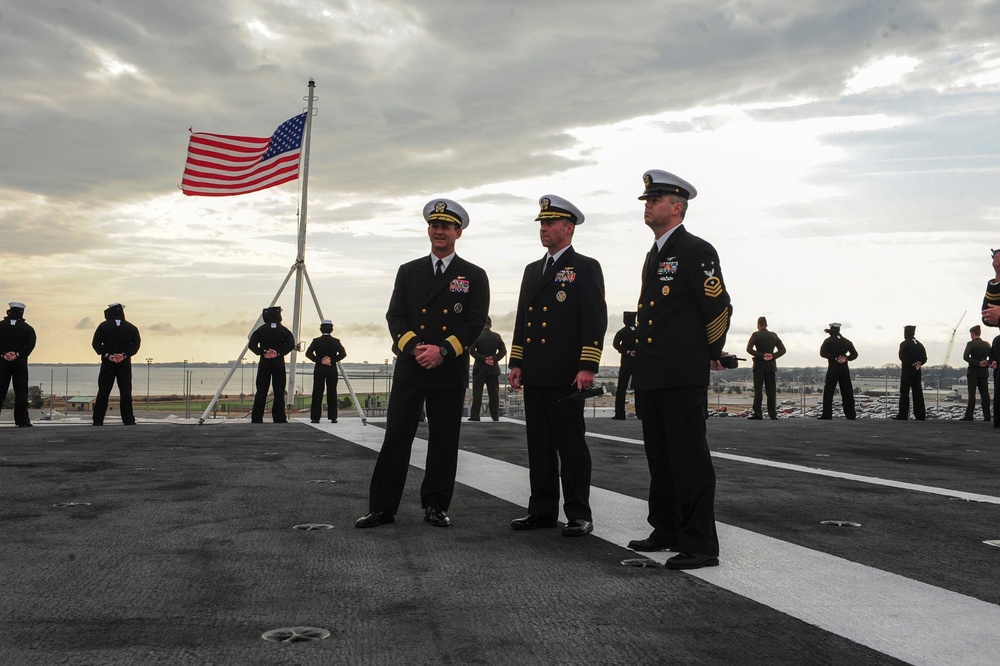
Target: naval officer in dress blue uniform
438 308
683 316
559 332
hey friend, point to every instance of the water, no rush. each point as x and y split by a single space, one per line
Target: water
164 380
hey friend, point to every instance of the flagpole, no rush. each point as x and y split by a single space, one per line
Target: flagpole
300 257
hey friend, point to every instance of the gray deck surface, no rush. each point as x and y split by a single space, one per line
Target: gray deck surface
186 552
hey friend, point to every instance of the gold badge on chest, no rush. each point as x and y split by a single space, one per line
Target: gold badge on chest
560 296
665 290
457 308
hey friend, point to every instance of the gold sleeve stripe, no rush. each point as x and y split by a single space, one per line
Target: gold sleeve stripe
993 298
516 351
591 354
404 339
455 344
717 327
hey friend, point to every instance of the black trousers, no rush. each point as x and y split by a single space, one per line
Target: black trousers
624 377
838 374
324 378
910 381
764 381
16 373
492 383
106 378
983 385
682 477
557 450
444 425
270 374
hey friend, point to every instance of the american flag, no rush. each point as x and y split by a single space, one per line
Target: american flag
220 165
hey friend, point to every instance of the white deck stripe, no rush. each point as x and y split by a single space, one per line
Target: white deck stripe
906 619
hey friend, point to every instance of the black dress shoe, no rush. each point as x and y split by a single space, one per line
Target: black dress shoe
967 418
314 421
617 418
24 425
692 561
649 544
436 517
578 527
374 519
532 522
898 418
333 420
473 418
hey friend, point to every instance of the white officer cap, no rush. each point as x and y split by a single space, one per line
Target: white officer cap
15 304
446 210
557 208
326 322
659 183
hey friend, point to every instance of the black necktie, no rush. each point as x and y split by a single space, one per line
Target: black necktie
548 264
440 268
651 258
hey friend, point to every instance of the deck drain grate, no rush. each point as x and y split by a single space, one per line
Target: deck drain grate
623 457
840 523
324 455
310 527
141 469
642 563
62 504
321 481
295 634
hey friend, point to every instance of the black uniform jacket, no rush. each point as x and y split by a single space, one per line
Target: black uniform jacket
488 344
17 336
912 351
624 343
684 312
765 342
111 338
325 345
561 320
835 346
272 336
449 311
975 351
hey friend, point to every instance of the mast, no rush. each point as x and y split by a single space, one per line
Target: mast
300 257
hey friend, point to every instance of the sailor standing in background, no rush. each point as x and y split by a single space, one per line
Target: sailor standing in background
624 344
838 351
271 341
976 354
116 341
326 352
912 357
765 346
17 340
487 352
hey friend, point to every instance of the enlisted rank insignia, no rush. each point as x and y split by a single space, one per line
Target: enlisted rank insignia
457 308
566 275
713 287
560 296
665 290
459 285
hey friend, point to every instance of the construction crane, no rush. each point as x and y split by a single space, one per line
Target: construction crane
951 343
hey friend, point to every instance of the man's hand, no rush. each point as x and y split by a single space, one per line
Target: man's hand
514 378
326 361
270 353
716 366
584 380
116 358
841 359
991 315
10 356
768 356
489 361
428 356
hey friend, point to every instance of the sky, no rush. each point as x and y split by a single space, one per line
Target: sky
845 155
